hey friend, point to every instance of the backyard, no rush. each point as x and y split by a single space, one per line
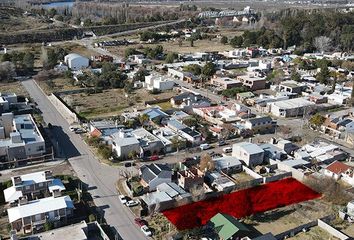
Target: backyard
242 203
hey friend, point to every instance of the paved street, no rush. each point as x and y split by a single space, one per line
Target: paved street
100 178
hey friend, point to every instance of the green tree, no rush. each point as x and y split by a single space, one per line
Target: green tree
140 75
171 57
190 121
195 69
236 41
208 69
92 218
323 75
296 76
224 40
28 61
317 120
143 119
48 225
177 143
129 52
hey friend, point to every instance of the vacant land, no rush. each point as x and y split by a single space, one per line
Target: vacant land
58 84
13 20
79 49
13 87
111 102
173 46
289 217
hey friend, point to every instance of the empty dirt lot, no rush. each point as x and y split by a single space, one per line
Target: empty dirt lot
111 102
289 217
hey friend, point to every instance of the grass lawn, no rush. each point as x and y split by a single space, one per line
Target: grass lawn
165 105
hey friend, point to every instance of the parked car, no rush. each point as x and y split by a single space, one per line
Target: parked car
204 146
132 203
221 143
188 159
72 128
79 130
154 158
146 230
123 199
227 149
140 222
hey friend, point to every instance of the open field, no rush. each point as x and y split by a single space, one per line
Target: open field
13 87
110 102
59 84
173 46
242 203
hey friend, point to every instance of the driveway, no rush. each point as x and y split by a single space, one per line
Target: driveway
100 178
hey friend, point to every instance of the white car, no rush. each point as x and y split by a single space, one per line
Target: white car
132 203
204 146
227 150
72 128
145 229
122 199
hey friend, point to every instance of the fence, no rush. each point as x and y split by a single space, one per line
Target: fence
69 115
277 177
331 230
251 172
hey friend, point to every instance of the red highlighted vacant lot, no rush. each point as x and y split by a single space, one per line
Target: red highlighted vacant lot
242 203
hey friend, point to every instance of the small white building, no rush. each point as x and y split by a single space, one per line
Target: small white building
76 62
250 153
124 143
159 82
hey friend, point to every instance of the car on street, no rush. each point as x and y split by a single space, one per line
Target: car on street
221 143
140 222
146 230
227 149
72 128
154 158
123 199
132 203
79 130
204 146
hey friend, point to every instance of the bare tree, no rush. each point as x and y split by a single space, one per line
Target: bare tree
197 192
322 43
206 163
7 71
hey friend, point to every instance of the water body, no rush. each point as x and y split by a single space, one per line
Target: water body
63 4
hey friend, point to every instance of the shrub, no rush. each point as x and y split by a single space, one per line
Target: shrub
92 218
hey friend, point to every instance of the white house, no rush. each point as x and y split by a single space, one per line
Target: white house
124 143
158 82
76 62
250 153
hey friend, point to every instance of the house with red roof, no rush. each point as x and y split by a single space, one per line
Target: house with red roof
338 170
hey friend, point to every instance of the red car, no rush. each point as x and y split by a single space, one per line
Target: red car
140 222
154 158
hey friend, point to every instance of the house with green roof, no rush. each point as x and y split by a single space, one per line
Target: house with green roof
228 227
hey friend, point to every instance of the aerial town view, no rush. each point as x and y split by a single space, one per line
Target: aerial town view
177 120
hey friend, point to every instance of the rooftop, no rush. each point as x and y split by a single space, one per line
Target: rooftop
293 103
251 148
338 167
39 206
73 232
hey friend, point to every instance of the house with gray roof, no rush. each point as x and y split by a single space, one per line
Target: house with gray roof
124 143
20 138
154 174
260 124
228 164
251 154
